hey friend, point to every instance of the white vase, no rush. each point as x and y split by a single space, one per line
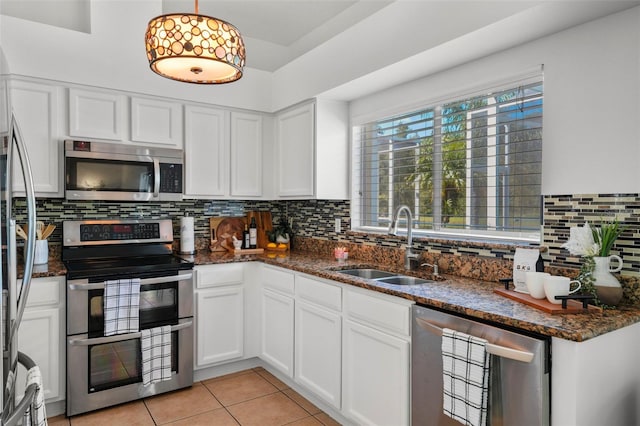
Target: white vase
608 287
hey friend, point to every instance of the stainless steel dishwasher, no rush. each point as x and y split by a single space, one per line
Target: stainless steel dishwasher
519 383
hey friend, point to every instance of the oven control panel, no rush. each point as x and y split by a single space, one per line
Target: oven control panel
120 231
104 232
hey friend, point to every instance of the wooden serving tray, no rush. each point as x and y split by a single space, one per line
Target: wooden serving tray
248 251
573 306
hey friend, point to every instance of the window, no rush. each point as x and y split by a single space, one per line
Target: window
470 166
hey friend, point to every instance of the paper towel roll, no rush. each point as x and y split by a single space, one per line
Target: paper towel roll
186 235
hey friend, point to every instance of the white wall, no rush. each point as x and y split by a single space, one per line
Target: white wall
597 382
100 58
591 104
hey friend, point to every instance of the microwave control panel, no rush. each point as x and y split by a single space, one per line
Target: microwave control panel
171 178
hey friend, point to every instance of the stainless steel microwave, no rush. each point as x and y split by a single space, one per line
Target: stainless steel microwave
118 172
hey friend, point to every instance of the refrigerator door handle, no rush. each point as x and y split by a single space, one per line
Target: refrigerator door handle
16 137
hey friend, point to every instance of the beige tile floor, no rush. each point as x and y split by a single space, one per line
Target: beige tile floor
249 397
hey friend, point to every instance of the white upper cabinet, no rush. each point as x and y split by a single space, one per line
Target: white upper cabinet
223 153
156 122
295 144
38 111
311 156
246 155
94 114
206 152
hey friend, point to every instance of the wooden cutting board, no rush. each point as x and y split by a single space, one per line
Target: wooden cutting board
573 306
222 230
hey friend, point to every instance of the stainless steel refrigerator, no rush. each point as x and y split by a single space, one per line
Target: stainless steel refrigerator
14 296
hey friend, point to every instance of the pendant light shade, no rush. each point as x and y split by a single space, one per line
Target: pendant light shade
195 48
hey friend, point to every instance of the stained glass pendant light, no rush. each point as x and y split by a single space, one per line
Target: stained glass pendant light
195 48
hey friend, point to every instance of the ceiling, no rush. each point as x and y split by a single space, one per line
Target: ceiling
278 31
342 49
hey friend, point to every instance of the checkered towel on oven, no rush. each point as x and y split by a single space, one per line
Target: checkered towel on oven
156 355
121 302
465 369
35 415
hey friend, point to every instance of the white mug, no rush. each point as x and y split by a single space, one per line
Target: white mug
558 286
535 283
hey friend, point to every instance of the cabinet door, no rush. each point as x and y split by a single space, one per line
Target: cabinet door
375 376
246 155
295 151
39 339
318 346
277 331
36 107
95 114
206 154
156 122
219 325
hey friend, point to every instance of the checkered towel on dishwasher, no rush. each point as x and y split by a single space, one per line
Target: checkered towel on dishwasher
121 302
35 415
156 355
465 369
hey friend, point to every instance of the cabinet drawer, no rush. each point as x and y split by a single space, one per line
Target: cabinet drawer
377 312
277 279
319 292
219 275
44 292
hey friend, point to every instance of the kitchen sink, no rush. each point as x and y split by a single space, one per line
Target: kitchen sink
366 273
384 276
403 280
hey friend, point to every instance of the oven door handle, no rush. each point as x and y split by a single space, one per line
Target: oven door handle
121 337
144 281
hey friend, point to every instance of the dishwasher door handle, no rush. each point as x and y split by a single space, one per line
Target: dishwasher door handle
493 349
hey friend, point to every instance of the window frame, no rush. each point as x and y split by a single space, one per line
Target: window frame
358 198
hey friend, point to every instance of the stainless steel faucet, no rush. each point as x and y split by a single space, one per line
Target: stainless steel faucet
410 258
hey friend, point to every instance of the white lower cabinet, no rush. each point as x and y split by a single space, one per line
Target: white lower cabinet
317 351
41 336
375 379
348 346
376 358
219 314
277 330
277 316
219 325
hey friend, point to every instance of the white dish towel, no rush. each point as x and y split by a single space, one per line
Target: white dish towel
156 355
465 375
36 413
121 302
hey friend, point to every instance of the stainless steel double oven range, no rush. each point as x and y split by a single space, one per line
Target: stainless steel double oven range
106 370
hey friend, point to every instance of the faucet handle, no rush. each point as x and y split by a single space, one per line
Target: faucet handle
434 266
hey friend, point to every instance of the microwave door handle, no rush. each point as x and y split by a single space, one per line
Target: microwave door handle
156 178
121 337
144 281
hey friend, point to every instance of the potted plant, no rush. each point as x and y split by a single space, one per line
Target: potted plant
594 245
282 231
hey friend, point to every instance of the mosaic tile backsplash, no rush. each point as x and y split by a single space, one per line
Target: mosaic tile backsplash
315 220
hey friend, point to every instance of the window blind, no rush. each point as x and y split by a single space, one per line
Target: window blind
470 165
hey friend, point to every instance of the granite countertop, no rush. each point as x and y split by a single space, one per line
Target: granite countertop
455 294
